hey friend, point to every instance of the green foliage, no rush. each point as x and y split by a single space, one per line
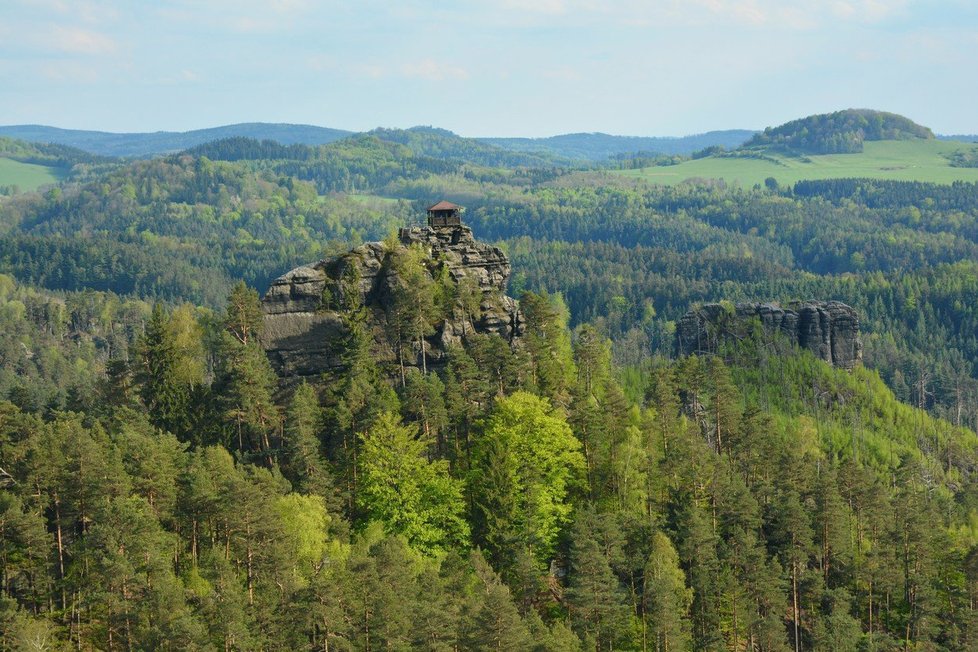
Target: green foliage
245 382
165 373
525 464
413 308
964 158
411 495
755 500
667 599
839 132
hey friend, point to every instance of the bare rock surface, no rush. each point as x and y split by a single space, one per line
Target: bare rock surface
829 329
303 332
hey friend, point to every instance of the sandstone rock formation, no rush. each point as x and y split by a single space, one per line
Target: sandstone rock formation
829 329
303 334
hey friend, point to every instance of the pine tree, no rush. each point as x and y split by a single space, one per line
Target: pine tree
302 462
412 311
158 375
547 341
598 606
246 382
493 623
667 599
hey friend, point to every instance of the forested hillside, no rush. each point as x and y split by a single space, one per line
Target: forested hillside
166 142
26 166
839 132
599 147
159 489
528 499
630 255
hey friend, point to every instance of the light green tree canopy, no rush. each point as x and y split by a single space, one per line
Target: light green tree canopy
411 495
524 465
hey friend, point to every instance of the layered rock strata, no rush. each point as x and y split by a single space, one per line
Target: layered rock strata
829 329
304 329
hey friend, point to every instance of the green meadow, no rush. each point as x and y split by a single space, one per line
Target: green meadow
899 160
27 176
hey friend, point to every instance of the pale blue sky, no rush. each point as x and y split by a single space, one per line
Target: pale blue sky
485 67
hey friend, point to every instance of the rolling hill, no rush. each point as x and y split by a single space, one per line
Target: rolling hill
856 143
899 160
600 147
27 166
16 176
164 142
594 147
841 132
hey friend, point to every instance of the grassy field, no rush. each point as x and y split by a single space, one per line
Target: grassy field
372 200
27 176
901 160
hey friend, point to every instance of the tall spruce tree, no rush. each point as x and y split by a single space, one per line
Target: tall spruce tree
667 598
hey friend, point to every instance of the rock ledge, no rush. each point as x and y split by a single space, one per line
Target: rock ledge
829 329
302 335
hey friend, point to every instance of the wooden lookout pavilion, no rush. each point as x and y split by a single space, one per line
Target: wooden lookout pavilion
445 213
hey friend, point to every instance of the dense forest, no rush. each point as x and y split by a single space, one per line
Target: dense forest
160 489
841 132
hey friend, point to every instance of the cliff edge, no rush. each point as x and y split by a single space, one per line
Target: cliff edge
829 329
304 309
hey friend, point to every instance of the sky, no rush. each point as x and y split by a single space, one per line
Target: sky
485 67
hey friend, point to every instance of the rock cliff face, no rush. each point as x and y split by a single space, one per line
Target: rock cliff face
829 329
304 329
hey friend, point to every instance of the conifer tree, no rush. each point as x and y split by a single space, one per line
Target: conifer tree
158 375
246 382
598 606
412 311
493 623
667 599
549 346
303 463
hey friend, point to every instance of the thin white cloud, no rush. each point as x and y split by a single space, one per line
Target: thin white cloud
75 40
550 7
243 16
79 11
562 73
791 14
321 62
178 77
431 70
368 71
867 11
68 72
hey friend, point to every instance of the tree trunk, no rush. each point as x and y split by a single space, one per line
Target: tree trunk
61 552
794 603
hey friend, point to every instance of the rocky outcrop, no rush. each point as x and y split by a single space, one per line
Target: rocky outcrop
829 329
304 322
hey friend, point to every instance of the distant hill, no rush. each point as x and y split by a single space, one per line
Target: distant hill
445 145
417 143
841 132
27 166
165 142
925 160
55 155
601 147
427 141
